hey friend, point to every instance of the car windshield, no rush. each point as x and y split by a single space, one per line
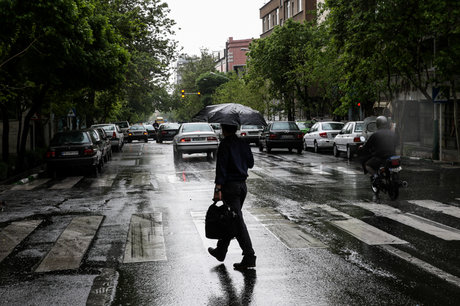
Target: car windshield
285 126
108 127
70 138
170 126
359 127
249 127
196 128
137 127
149 127
122 124
332 126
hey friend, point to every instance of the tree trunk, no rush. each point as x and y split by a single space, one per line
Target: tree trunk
36 106
6 134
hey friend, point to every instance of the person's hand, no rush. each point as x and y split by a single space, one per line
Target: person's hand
217 196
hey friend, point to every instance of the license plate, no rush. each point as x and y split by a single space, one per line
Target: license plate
287 136
395 169
69 153
198 139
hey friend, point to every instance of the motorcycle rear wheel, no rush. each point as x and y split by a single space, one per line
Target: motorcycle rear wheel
393 187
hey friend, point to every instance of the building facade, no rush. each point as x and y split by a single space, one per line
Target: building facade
276 12
233 57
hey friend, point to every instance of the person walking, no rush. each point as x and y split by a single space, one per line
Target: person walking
234 157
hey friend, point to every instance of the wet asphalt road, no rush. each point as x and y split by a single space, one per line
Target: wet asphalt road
316 228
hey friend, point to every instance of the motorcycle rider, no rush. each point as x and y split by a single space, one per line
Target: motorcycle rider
380 146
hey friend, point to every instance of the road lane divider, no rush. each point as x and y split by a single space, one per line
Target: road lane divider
419 223
145 239
438 206
13 234
360 229
68 251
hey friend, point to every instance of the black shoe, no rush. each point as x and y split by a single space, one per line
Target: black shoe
214 252
247 262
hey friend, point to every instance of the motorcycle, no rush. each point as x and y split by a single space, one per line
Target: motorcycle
388 178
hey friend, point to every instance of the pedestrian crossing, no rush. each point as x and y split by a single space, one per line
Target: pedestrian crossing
145 241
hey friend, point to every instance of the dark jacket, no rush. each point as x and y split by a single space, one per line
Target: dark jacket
381 144
234 157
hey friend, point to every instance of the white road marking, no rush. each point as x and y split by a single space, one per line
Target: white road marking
454 280
104 181
72 245
145 239
438 206
361 230
348 171
141 179
289 233
13 234
320 170
422 224
31 185
67 182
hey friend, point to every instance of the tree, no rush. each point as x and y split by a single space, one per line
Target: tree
207 83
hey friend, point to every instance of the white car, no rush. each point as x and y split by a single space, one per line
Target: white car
113 131
349 139
321 135
196 137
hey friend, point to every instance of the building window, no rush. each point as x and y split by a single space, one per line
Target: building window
299 5
277 15
269 21
288 9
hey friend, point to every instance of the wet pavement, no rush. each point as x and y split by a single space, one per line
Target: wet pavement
320 236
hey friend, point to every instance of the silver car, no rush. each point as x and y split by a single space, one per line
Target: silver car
195 137
113 131
349 139
250 133
321 135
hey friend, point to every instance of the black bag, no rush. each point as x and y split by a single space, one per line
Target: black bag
221 222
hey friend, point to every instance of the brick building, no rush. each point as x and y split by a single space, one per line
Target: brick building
233 57
276 12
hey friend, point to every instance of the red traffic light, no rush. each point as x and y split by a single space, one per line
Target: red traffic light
359 104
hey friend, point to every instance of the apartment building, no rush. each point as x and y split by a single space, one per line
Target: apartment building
233 57
276 12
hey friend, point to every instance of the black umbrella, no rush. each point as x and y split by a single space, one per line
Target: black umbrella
229 113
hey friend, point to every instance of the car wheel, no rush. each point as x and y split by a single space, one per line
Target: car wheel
160 141
336 151
305 145
315 147
146 140
269 150
349 153
214 155
290 150
129 140
261 147
299 150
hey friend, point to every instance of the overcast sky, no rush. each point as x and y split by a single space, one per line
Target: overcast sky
209 23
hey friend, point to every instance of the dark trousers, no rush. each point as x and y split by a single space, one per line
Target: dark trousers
233 195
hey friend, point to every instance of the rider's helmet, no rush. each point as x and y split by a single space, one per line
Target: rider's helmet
382 122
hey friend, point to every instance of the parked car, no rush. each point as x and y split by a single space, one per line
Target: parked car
75 150
305 126
349 139
369 126
196 137
124 126
117 137
137 132
167 131
321 135
250 133
105 140
217 129
151 131
281 134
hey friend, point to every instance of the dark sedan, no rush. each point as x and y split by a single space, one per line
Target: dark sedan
281 134
137 132
167 131
75 150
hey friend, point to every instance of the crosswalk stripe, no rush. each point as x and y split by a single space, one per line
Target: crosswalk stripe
141 179
289 233
348 171
67 183
31 185
438 206
145 239
320 170
72 245
452 279
361 230
13 234
422 224
104 181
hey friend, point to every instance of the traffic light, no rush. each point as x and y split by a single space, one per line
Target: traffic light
198 93
182 93
359 104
